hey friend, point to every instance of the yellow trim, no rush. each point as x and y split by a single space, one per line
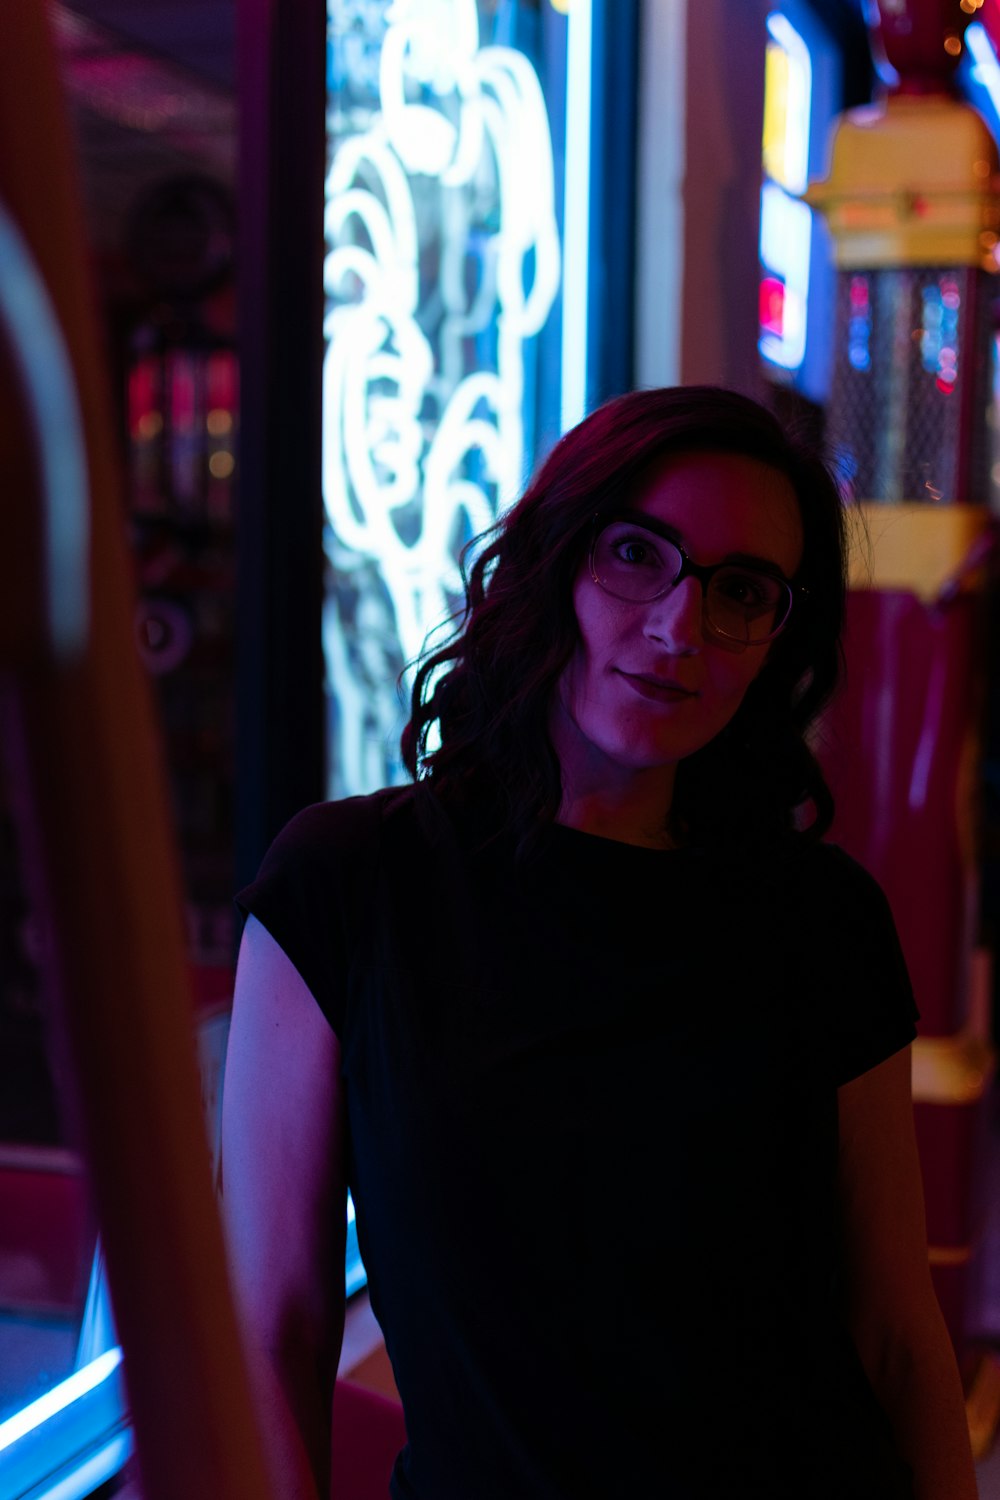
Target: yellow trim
982 1405
912 546
951 1069
949 1255
913 182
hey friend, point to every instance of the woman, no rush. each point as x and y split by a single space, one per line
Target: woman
613 1052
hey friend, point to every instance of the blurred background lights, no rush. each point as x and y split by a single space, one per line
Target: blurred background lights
785 220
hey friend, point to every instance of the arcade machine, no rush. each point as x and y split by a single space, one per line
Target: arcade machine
911 201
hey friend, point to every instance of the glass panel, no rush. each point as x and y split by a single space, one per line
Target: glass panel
62 1401
443 275
46 1229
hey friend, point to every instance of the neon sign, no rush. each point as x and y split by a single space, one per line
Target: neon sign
986 70
443 262
785 221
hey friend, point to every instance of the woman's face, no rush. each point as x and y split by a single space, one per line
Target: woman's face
646 686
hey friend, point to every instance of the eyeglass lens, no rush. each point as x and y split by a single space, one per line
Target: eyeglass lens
740 602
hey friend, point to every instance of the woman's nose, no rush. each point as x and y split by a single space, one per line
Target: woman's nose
676 618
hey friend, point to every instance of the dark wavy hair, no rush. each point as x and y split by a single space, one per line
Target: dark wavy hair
489 688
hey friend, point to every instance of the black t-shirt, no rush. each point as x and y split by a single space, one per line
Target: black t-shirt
592 1146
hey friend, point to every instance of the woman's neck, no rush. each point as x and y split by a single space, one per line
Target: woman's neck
631 815
603 794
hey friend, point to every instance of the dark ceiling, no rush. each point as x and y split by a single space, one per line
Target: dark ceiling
150 87
196 35
152 90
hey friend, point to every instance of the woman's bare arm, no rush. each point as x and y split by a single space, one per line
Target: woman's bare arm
284 1202
895 1318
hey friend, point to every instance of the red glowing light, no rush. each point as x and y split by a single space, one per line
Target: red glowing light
182 391
772 305
142 392
221 380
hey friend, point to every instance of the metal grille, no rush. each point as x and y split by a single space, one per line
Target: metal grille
910 392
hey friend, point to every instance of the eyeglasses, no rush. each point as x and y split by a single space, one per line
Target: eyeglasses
743 605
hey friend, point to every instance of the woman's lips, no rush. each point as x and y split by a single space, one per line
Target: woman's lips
660 689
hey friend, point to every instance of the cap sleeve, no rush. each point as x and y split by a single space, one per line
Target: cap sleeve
866 987
310 881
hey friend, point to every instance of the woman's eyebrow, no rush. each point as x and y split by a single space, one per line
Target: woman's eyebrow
671 534
765 564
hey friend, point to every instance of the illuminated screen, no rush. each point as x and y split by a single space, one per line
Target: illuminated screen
453 178
803 77
979 74
785 221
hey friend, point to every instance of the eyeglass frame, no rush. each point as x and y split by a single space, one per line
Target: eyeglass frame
704 572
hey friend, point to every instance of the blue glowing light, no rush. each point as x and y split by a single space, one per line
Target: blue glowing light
443 263
785 220
48 381
576 216
75 1386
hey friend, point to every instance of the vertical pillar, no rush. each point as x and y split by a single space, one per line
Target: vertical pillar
912 204
279 671
700 128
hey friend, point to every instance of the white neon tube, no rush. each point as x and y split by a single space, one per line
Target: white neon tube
49 387
93 1471
408 406
987 69
576 214
59 1397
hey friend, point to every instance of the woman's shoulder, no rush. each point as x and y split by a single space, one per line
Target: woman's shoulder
842 910
346 824
311 889
798 873
821 868
329 844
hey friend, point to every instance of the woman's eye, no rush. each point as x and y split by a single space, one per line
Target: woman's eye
635 553
742 589
747 589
